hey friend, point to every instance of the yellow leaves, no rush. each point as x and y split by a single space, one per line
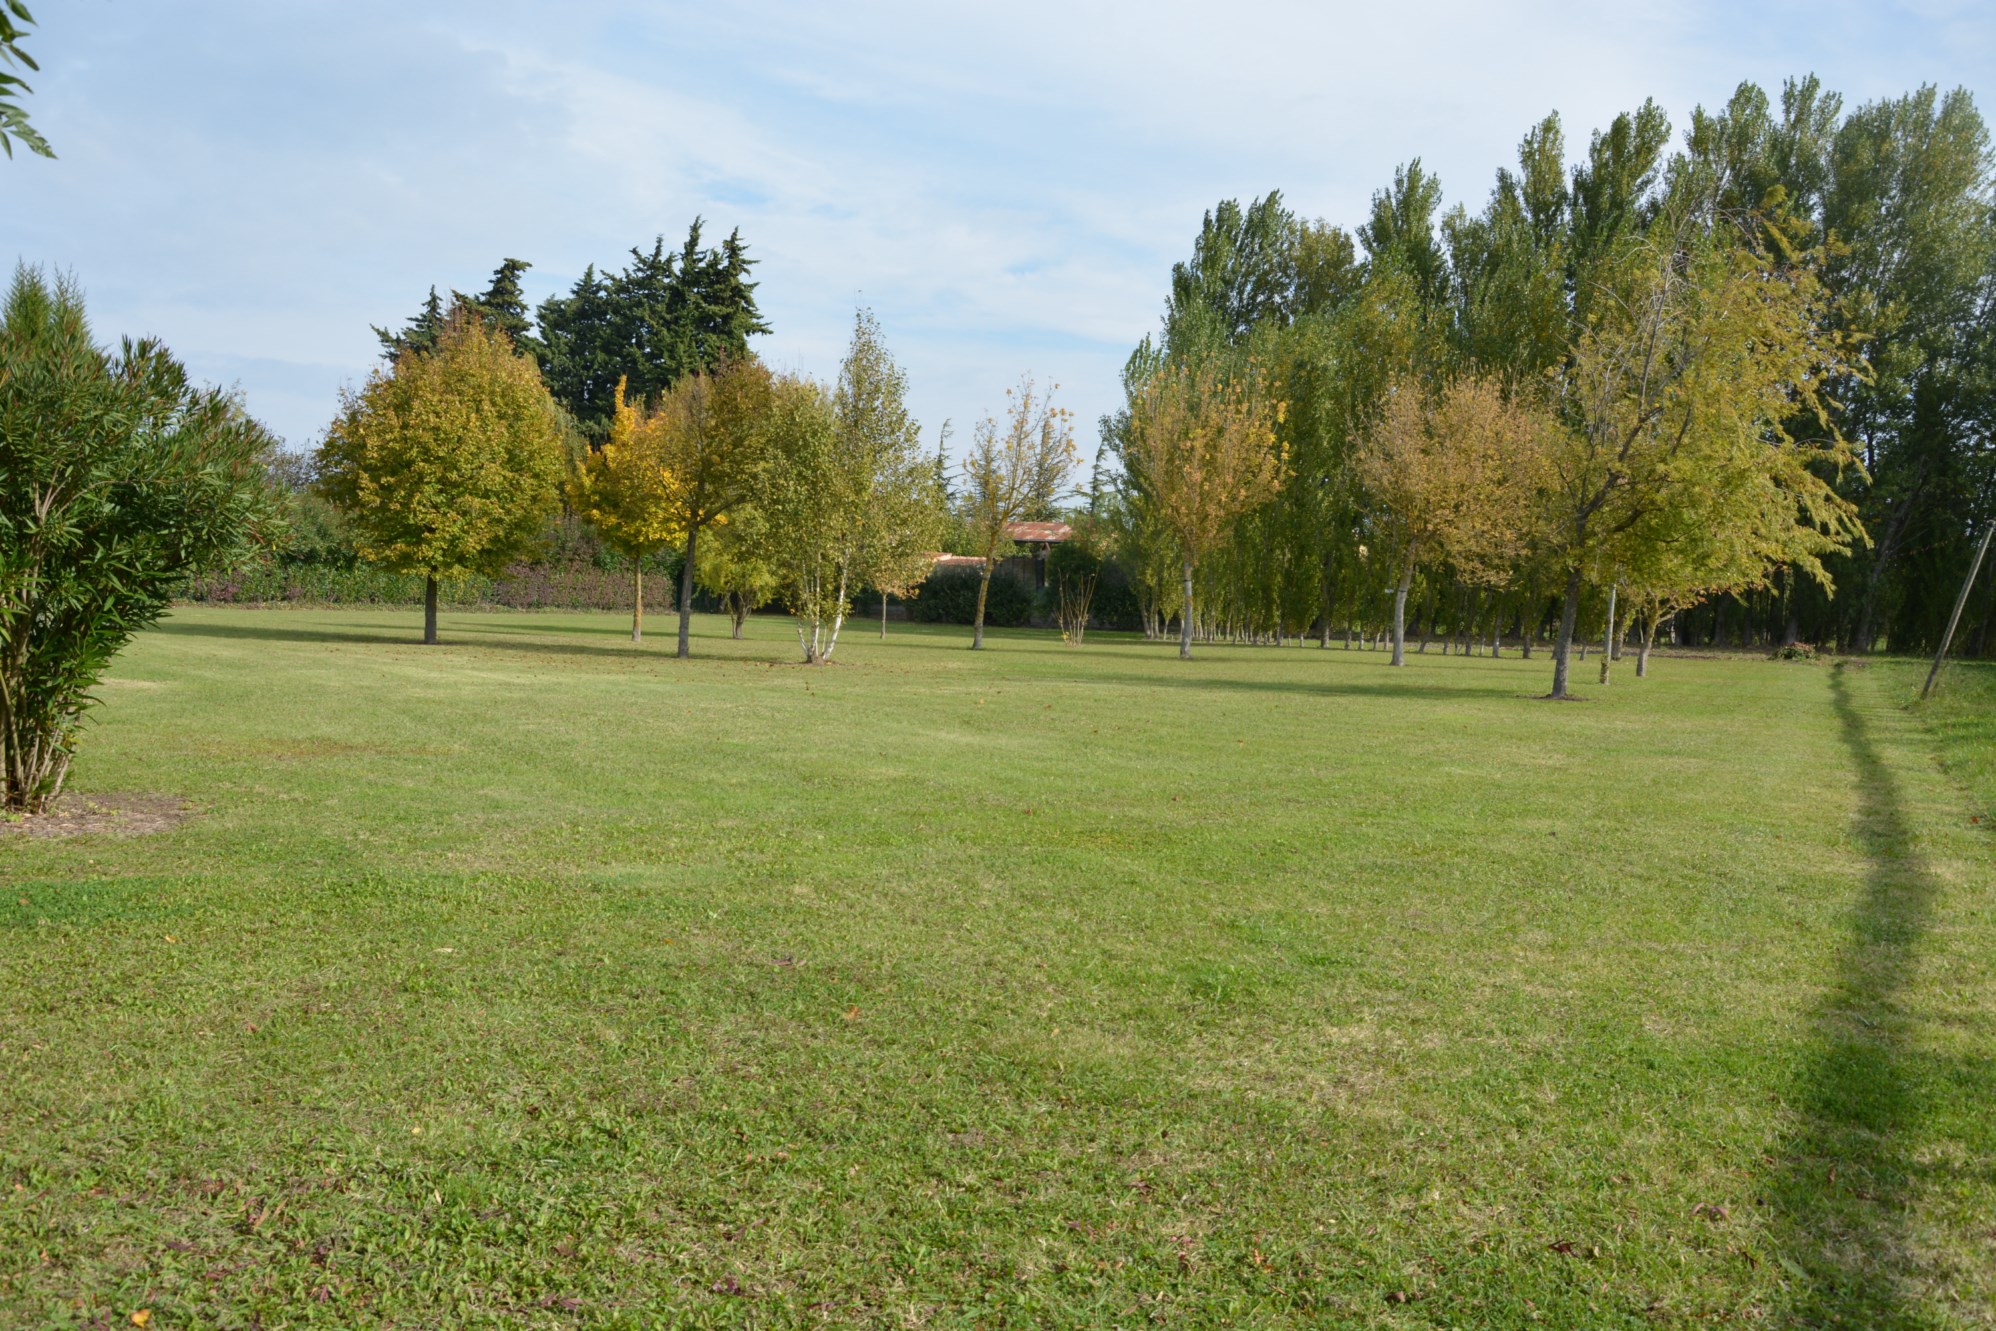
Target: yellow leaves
141 1317
626 489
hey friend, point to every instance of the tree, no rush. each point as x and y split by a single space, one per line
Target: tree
118 480
450 463
1700 364
628 492
905 500
1206 446
665 316
504 304
418 335
735 564
1012 472
715 437
1453 476
852 496
14 22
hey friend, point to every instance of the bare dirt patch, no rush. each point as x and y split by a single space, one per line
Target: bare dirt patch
109 814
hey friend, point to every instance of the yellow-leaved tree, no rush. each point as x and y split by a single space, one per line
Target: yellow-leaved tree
1453 475
1204 440
629 492
450 463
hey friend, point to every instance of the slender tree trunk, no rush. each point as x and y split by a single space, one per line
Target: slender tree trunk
1562 647
1185 625
977 623
883 616
686 596
1400 609
1642 652
1608 635
1960 600
1427 619
637 601
430 609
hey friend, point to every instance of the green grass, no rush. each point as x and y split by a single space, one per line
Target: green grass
538 980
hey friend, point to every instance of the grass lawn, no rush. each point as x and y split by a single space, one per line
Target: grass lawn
540 980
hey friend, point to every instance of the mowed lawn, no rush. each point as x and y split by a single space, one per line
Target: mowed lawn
540 980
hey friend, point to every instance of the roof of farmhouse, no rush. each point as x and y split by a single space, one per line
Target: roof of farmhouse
1027 533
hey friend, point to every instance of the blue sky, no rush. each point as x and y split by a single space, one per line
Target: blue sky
1006 185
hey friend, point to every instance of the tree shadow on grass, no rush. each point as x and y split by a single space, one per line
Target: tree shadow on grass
1843 1182
1326 687
399 635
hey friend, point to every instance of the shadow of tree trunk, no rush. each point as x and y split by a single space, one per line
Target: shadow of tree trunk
1842 1182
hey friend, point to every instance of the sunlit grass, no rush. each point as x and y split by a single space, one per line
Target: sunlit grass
538 979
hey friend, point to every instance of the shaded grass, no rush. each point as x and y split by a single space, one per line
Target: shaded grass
537 979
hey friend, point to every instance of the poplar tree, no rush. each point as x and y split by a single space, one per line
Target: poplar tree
450 463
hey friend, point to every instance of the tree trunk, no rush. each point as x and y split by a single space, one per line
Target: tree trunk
1642 652
637 601
977 623
883 616
1562 647
1608 636
430 609
686 596
738 608
1185 620
1400 609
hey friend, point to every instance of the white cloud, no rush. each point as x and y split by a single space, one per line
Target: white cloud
1006 186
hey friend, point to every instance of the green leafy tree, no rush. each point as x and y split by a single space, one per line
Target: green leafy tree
1696 391
736 565
118 481
14 23
450 463
851 495
716 442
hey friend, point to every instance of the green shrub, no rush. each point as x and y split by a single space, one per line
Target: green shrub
949 596
118 480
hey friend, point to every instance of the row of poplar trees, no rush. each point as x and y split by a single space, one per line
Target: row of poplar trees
1762 362
634 400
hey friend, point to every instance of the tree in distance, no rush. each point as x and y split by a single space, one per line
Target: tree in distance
1011 473
451 462
851 496
628 492
1205 443
118 480
735 564
714 437
1453 475
1701 362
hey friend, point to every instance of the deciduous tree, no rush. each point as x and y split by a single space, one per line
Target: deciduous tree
450 463
1204 441
1011 473
1452 475
628 491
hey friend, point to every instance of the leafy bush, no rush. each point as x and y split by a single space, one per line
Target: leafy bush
949 596
118 480
1793 651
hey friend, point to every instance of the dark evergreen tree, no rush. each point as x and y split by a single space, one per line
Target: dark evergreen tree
666 315
504 304
418 335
